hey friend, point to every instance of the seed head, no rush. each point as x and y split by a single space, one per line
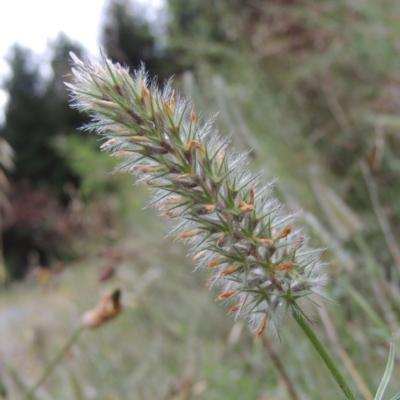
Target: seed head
235 228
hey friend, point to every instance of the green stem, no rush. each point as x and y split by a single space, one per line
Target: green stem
323 354
52 365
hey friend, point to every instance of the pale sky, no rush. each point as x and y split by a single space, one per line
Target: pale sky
33 23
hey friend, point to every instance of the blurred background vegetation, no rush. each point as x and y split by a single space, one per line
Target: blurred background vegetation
313 88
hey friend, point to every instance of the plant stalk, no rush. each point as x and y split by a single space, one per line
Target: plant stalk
278 364
52 365
318 346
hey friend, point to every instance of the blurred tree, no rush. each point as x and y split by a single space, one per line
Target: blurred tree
37 112
130 39
33 116
6 164
201 31
65 119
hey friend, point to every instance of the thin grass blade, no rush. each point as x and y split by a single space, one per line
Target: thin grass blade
396 396
387 374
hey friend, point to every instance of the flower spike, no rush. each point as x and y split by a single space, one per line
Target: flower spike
234 225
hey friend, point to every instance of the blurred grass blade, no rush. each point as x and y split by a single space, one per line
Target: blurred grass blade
340 350
369 311
76 387
396 397
3 390
387 374
383 222
19 383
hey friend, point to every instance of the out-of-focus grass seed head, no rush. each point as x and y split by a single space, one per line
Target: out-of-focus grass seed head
235 228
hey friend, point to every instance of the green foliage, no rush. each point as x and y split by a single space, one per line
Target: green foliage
324 78
37 221
93 170
31 122
202 32
129 39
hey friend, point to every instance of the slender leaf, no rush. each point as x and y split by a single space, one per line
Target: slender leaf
387 374
396 396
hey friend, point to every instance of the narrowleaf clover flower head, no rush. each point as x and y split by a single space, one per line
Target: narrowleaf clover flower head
236 229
